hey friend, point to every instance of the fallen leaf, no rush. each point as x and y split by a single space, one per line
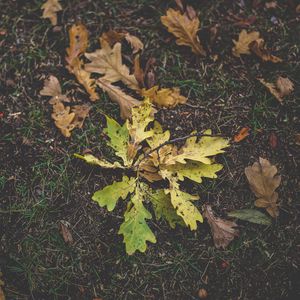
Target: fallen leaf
165 97
190 12
297 139
263 182
284 86
136 43
223 231
243 133
66 233
179 4
202 293
52 88
112 37
108 61
78 36
81 112
258 47
251 215
241 46
273 140
65 118
272 4
138 71
272 89
126 102
184 29
50 9
2 295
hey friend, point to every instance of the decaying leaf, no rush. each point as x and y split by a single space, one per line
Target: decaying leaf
108 61
112 193
65 117
284 86
223 231
241 46
78 36
112 37
263 182
135 230
91 159
184 29
258 47
138 71
126 102
244 132
50 9
166 97
251 215
52 88
135 42
280 89
66 233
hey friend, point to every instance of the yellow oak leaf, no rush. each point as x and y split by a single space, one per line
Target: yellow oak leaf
159 136
166 97
241 46
50 9
108 61
141 117
92 160
184 29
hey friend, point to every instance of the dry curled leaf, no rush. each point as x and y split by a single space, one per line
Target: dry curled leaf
184 29
135 42
50 9
138 71
78 36
66 233
241 46
126 102
65 117
258 47
284 86
243 133
52 88
263 182
165 97
223 231
108 61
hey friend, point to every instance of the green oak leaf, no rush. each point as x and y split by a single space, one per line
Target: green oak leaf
109 195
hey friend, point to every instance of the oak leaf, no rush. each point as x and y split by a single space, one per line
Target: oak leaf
241 46
110 194
163 208
65 232
108 61
138 71
263 182
126 102
251 215
135 42
258 47
91 159
166 97
184 29
135 230
223 231
50 9
52 88
119 139
78 36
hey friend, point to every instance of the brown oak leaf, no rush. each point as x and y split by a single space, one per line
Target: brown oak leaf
258 47
263 182
184 29
223 231
241 46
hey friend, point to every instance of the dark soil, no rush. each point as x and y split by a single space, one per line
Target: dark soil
42 184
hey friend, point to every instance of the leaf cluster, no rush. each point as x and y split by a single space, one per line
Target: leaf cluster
145 148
